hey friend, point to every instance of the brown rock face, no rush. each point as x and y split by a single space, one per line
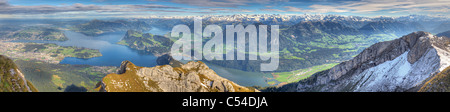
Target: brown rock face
418 46
190 77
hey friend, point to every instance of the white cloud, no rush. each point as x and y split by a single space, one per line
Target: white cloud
369 6
225 3
273 10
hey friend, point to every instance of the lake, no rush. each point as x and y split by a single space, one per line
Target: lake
114 54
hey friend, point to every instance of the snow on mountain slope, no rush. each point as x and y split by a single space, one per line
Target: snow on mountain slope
398 74
404 64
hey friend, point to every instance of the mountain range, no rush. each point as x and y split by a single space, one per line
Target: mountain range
404 64
97 27
314 40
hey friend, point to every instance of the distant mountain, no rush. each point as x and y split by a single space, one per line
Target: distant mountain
310 40
96 27
442 28
386 27
312 30
190 77
404 64
314 43
446 34
12 79
155 44
36 33
418 18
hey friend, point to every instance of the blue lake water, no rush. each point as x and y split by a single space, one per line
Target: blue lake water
114 54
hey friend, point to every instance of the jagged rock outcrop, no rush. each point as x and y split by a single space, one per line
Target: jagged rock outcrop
12 79
190 77
403 64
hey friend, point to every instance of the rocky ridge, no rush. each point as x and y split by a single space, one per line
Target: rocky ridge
190 77
404 64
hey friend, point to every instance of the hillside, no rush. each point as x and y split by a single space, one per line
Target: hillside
394 27
442 27
97 27
403 64
45 52
190 77
12 79
446 34
155 44
439 83
37 33
315 43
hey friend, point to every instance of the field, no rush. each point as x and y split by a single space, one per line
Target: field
294 76
45 52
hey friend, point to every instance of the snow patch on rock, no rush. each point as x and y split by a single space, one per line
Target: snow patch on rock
398 74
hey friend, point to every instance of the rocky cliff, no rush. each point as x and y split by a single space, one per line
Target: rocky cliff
404 64
190 77
12 79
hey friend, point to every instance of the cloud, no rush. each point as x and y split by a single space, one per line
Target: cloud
293 9
370 6
3 3
234 6
78 7
273 10
225 3
227 10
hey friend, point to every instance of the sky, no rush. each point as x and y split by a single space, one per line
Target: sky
146 8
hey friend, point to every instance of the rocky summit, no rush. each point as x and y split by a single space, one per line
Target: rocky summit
403 64
190 77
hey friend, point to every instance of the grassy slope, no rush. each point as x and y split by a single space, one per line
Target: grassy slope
300 74
62 51
97 27
439 83
38 33
155 44
9 81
